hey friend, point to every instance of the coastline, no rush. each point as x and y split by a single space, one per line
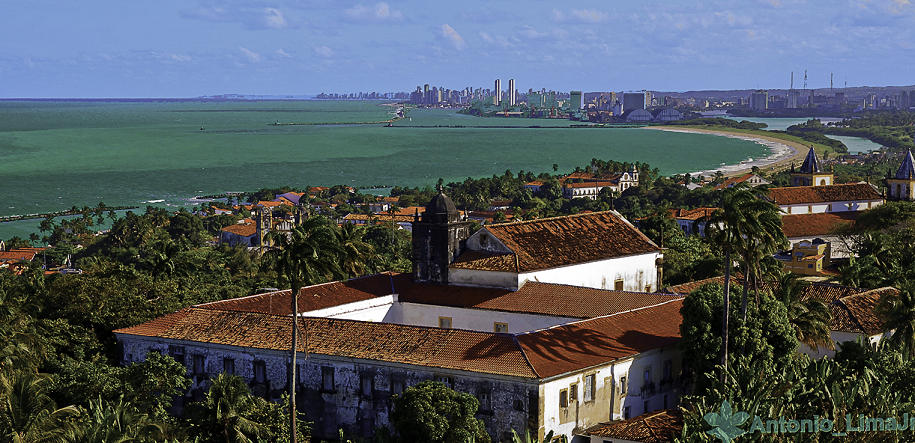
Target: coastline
783 152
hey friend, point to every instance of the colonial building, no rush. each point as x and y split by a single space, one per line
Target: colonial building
810 173
545 357
821 225
596 250
539 354
826 198
902 185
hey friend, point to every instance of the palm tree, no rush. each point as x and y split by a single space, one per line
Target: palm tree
355 252
114 422
898 313
27 414
810 317
223 411
305 257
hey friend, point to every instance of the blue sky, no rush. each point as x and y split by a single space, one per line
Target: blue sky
187 48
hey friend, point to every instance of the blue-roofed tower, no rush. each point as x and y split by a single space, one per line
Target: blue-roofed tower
811 174
902 185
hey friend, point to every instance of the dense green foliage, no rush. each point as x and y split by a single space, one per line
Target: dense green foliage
766 335
859 380
890 128
432 412
718 122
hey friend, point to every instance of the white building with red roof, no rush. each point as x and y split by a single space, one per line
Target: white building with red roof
540 353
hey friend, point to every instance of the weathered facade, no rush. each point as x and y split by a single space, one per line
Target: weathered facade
438 238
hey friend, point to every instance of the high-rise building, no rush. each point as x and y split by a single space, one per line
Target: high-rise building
497 94
636 100
759 100
575 99
793 95
511 92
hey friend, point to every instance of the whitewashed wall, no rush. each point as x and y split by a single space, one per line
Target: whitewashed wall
375 309
841 206
837 338
636 271
345 406
482 320
609 402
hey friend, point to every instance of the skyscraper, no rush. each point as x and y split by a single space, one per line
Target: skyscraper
511 92
497 94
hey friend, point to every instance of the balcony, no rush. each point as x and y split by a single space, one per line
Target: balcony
668 384
649 390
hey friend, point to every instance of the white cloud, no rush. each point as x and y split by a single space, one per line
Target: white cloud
898 6
251 56
282 53
381 12
450 36
273 18
579 16
324 51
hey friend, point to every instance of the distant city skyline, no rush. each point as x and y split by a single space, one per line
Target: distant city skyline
57 49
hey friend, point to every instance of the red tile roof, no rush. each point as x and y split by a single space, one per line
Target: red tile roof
534 298
244 230
264 322
18 254
587 343
490 261
573 239
313 298
691 214
654 427
434 347
817 224
823 194
857 313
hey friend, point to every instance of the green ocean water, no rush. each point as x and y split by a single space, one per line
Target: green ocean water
59 154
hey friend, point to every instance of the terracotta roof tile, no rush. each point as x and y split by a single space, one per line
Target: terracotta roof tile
691 214
433 347
583 344
313 298
17 255
817 224
856 313
654 427
378 218
823 194
244 230
560 241
534 298
489 261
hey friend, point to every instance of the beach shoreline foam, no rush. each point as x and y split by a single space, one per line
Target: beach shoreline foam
782 152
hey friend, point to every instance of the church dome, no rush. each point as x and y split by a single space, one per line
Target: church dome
440 204
441 210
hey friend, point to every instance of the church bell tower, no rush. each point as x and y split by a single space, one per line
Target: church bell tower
439 236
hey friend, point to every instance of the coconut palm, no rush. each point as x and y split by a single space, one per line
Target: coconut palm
355 252
222 413
898 312
810 317
113 423
306 256
27 414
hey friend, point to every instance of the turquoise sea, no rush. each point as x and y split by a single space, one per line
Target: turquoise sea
59 154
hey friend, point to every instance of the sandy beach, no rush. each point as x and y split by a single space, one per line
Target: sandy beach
783 152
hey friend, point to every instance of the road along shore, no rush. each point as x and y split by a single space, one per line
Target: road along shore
784 153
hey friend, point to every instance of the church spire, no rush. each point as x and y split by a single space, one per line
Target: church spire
907 169
811 163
